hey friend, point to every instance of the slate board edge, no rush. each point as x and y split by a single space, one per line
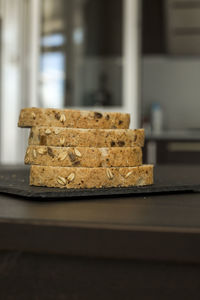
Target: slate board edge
81 193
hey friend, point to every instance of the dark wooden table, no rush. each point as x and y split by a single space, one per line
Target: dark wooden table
135 247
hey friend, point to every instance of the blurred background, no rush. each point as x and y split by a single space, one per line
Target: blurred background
141 57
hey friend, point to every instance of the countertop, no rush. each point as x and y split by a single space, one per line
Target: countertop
164 227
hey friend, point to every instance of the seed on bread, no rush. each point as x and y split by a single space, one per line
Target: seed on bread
62 141
72 157
109 174
57 131
62 156
48 131
34 153
57 115
42 151
33 115
71 177
61 180
77 152
128 174
62 118
50 152
140 181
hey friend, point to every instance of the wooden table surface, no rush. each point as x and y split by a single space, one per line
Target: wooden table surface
136 247
163 227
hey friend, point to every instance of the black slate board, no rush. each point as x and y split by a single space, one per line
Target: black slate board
15 182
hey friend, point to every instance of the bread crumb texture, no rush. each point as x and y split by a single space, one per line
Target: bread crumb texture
69 177
30 117
73 137
84 156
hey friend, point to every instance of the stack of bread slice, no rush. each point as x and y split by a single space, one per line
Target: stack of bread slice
84 149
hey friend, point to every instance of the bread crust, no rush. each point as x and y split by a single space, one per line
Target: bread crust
73 137
84 156
69 177
30 117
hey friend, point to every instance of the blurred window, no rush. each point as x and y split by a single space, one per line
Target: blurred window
53 40
81 53
52 78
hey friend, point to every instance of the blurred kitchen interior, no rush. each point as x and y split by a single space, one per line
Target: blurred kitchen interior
131 56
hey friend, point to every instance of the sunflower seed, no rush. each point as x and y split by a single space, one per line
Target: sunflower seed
62 156
57 115
42 151
62 118
77 152
34 153
61 180
128 174
141 181
57 131
33 115
72 156
71 177
48 131
62 141
109 174
50 152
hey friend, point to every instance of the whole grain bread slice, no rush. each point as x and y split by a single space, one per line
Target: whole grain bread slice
30 117
72 177
74 137
84 156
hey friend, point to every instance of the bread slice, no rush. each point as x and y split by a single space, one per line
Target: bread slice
72 177
84 156
73 137
30 117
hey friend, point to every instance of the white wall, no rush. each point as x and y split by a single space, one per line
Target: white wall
10 80
175 83
19 71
